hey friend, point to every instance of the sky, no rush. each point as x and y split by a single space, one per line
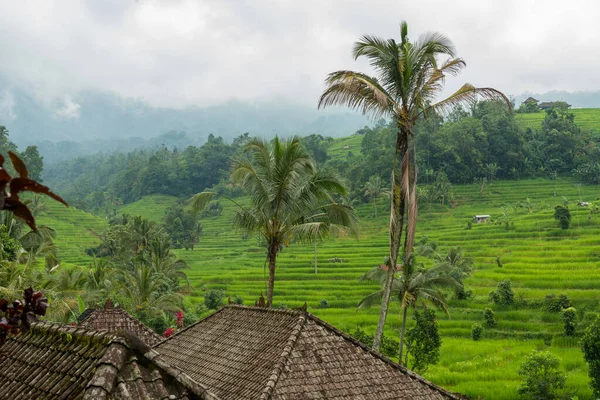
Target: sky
179 53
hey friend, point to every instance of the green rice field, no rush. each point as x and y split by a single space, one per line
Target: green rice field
586 118
537 256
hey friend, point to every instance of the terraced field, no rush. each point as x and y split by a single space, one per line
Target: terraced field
536 255
588 118
76 231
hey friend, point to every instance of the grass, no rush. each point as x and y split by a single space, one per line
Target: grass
538 257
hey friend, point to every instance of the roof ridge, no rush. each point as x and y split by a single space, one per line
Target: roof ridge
283 358
383 358
104 378
42 327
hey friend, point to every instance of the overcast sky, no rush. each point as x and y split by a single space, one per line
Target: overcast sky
201 52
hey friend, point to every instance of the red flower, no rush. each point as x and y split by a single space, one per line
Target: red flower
179 319
169 332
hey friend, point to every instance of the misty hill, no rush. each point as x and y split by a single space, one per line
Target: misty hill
95 121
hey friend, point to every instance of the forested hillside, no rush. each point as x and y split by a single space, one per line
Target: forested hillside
482 144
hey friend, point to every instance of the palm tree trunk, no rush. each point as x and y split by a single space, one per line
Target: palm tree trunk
396 224
402 336
273 250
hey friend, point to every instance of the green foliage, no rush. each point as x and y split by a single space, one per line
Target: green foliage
214 299
490 318
553 303
182 226
569 316
423 341
323 304
542 377
504 294
529 106
476 331
590 345
9 246
563 216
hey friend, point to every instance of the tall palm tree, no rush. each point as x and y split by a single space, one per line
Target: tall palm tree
412 288
373 189
410 75
289 199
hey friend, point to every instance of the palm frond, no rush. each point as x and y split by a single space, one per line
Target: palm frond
370 300
199 201
469 94
359 92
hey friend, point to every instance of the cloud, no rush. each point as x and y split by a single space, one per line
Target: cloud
7 106
177 53
68 110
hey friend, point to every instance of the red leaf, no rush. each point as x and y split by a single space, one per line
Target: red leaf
20 210
19 185
40 307
27 294
19 165
4 176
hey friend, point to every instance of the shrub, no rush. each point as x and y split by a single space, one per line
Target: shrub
489 316
504 294
563 216
238 300
476 331
556 304
214 299
201 310
189 318
323 304
569 316
542 377
461 294
590 345
423 341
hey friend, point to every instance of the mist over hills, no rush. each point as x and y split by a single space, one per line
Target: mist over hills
92 122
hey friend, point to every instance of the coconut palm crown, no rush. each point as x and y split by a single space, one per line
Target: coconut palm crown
409 77
290 200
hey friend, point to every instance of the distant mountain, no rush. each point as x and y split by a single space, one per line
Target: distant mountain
96 121
576 99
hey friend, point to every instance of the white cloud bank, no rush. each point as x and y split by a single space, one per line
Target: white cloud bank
177 53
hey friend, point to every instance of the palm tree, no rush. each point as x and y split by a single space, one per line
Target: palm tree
373 189
412 288
460 267
148 291
289 199
165 262
409 78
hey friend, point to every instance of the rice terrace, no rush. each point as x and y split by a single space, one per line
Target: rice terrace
193 209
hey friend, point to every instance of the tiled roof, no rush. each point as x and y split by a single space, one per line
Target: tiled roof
53 361
257 353
117 320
